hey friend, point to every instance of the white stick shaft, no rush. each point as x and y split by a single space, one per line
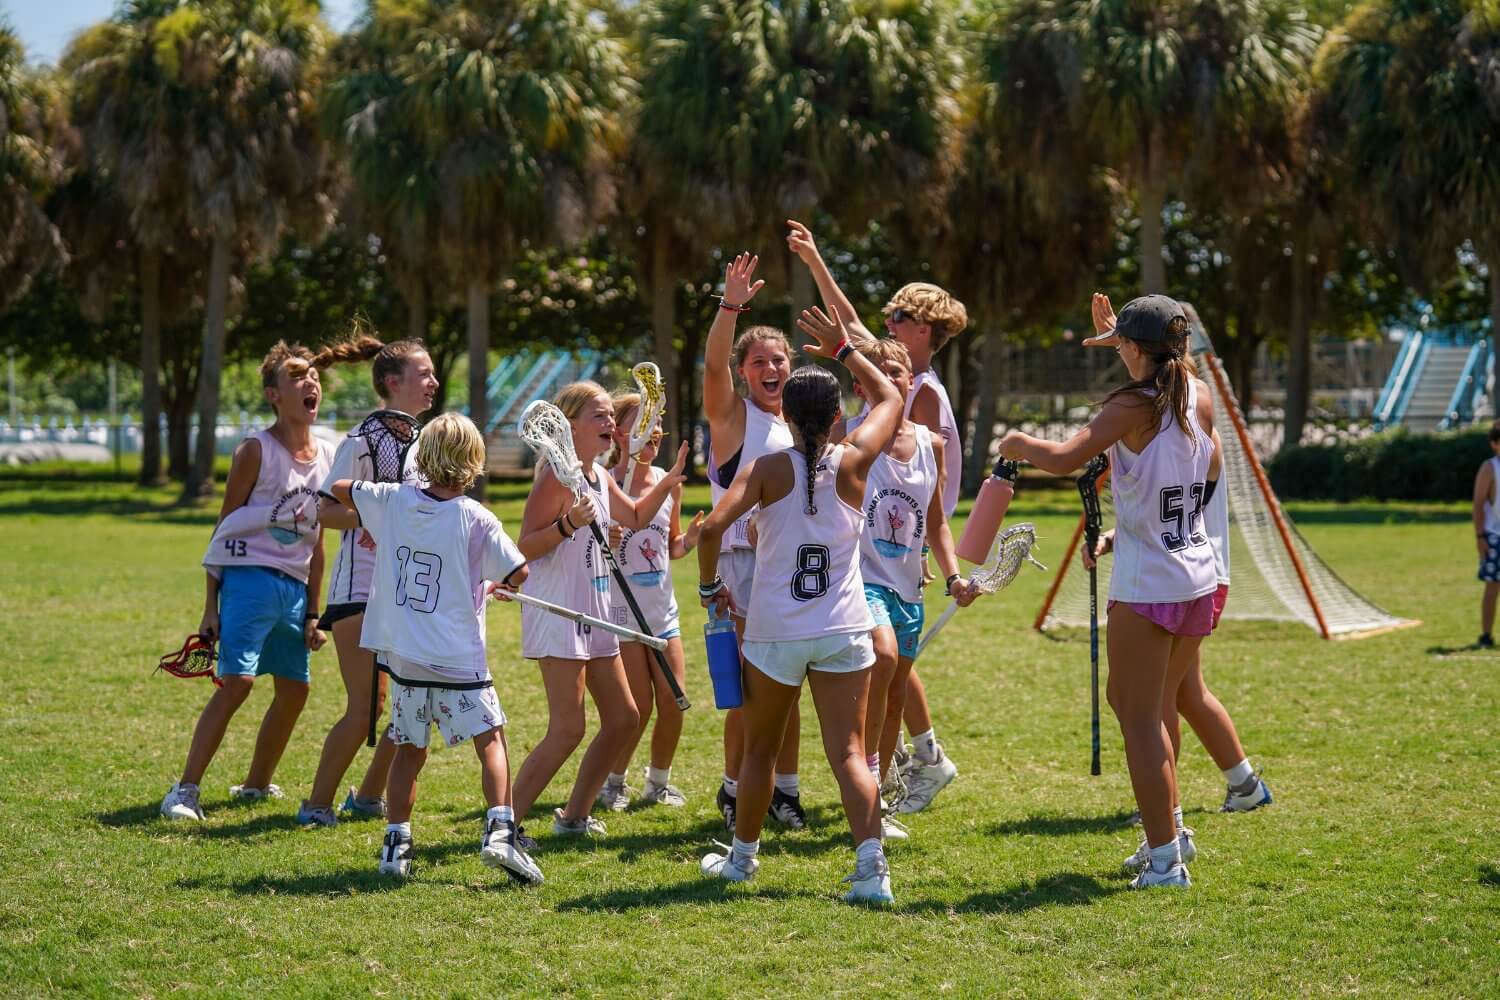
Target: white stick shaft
589 620
937 626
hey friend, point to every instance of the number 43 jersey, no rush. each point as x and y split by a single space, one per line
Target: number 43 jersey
807 581
1162 552
432 558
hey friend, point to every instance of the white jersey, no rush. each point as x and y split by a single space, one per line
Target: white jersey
574 574
898 496
432 560
807 579
349 582
764 433
1162 553
645 557
278 525
953 449
1492 509
1216 523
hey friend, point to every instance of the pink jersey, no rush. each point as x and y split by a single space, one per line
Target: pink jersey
278 525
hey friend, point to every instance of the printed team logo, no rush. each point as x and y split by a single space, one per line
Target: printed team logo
644 545
591 562
294 516
464 704
895 523
421 715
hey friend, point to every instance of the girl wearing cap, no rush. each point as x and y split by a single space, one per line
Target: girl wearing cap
1158 429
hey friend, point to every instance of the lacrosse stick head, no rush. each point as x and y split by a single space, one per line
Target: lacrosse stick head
546 431
196 658
1012 549
653 404
1088 490
389 435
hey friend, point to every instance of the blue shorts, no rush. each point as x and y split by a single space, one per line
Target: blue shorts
1489 566
260 624
903 617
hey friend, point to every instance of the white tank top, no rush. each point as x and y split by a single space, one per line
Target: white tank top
807 580
349 582
897 498
1162 552
1216 521
646 560
953 449
764 433
574 574
278 526
1492 509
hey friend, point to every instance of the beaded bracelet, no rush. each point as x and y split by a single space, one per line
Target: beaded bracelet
727 307
710 589
843 351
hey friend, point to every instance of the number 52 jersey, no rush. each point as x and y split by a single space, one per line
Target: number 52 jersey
432 559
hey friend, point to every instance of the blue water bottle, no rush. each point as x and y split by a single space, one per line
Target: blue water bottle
723 660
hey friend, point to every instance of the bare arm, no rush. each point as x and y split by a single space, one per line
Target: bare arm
244 469
1118 417
336 515
637 512
683 542
720 404
552 514
1484 487
927 411
800 242
310 632
744 493
939 535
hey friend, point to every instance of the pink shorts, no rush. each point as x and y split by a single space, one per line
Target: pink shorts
1190 618
1221 598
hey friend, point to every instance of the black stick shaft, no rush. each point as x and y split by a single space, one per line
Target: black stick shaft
1094 669
640 618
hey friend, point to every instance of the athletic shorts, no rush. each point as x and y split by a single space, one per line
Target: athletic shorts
546 634
905 618
1185 618
338 612
737 570
261 624
1221 598
460 715
1489 566
788 662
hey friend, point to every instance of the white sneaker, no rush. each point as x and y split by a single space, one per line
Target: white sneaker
181 802
1258 795
1141 859
891 830
1175 877
615 798
727 867
588 826
499 849
924 781
248 793
662 795
395 855
871 883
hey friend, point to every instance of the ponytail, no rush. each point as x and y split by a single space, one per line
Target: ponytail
810 402
359 344
1169 385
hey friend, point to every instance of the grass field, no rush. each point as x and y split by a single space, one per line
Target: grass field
1377 871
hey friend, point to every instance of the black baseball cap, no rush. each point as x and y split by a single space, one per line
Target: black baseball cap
1148 318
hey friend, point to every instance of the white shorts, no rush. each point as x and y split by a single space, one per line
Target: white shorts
737 570
460 715
788 662
546 634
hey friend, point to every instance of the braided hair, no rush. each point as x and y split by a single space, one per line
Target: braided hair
811 402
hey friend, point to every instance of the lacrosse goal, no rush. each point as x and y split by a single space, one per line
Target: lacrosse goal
1276 574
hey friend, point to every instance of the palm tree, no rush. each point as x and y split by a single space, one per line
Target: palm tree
1407 97
478 127
1157 90
32 162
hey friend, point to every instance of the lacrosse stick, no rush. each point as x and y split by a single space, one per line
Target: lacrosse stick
196 658
1012 548
579 618
545 431
653 404
1088 490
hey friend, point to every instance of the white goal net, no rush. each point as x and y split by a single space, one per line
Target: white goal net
1275 574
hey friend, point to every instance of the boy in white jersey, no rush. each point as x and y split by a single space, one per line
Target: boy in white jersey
922 317
1487 536
264 567
437 552
1158 428
807 617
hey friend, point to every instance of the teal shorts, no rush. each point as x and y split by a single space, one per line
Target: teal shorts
261 618
905 618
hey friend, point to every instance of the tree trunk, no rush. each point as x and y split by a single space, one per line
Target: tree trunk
963 387
150 367
179 428
692 404
663 328
804 290
416 312
992 357
479 366
1153 196
1240 361
1493 262
200 480
1299 348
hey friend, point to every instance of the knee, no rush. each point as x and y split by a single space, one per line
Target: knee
235 689
625 720
569 732
291 696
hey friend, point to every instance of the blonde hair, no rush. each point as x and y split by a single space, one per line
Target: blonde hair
931 305
886 349
624 400
574 396
450 451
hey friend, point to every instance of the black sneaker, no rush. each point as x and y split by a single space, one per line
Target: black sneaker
1485 641
787 810
726 804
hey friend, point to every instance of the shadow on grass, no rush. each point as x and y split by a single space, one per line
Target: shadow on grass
1055 825
251 825
1478 651
694 892
1062 889
344 883
1489 875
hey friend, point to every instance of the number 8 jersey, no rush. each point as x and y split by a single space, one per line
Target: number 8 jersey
807 581
1162 552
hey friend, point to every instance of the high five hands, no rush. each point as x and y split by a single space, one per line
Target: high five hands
739 286
1104 322
829 333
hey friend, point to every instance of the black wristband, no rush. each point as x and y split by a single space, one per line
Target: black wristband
711 588
565 532
311 615
948 584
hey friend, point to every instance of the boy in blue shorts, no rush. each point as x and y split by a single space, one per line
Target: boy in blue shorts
1487 535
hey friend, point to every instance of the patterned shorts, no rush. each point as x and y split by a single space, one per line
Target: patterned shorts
460 715
1489 566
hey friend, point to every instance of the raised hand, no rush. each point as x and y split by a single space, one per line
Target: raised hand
739 284
799 240
828 333
1104 320
694 530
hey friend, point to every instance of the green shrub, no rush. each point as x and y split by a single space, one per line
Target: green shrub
1396 465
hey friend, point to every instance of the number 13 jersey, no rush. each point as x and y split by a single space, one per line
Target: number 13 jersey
807 581
1162 552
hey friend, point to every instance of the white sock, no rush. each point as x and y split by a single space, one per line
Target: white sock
925 747
868 850
504 814
872 761
744 851
402 828
615 779
1177 817
1239 773
731 786
788 784
1165 856
658 776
